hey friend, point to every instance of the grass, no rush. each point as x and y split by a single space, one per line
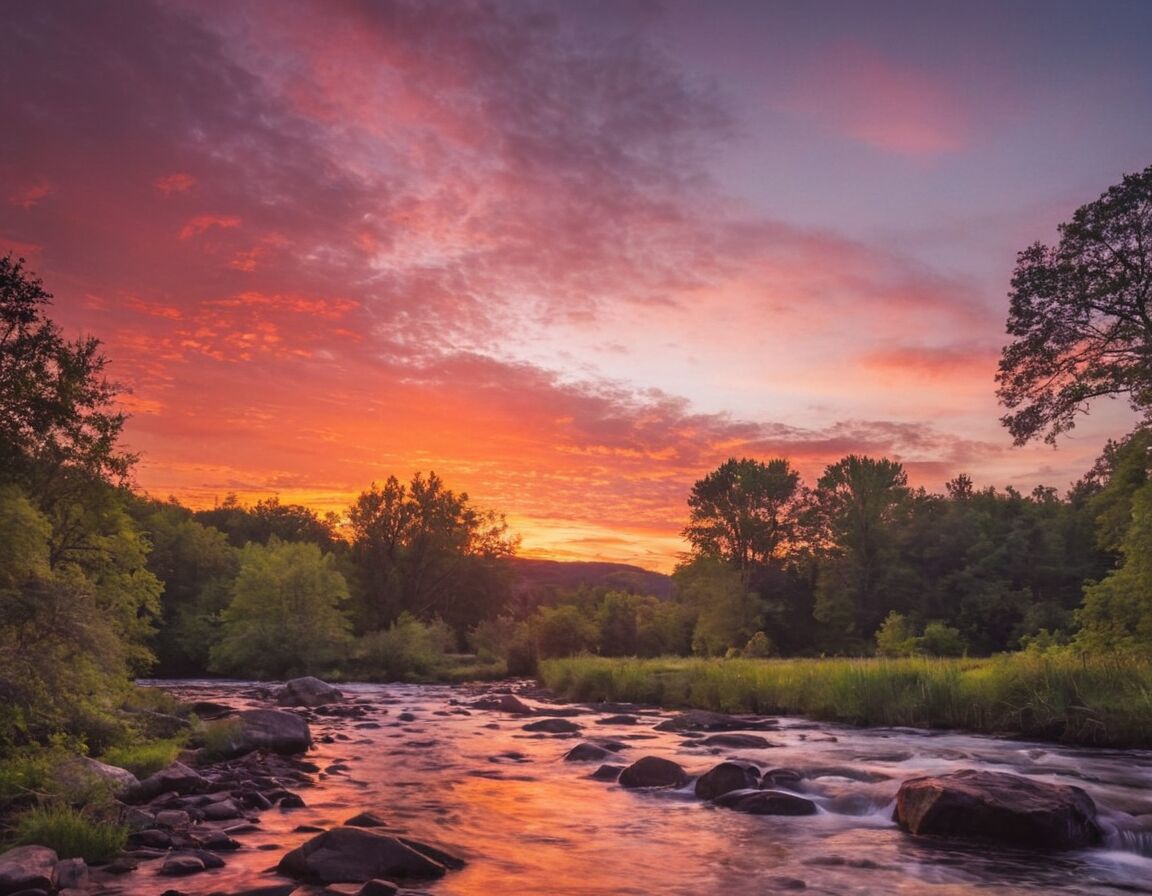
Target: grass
146 757
1061 696
72 833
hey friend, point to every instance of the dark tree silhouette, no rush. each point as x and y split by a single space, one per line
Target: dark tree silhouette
1080 317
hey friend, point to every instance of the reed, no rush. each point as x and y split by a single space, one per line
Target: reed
71 833
1064 696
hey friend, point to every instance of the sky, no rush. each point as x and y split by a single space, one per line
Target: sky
569 256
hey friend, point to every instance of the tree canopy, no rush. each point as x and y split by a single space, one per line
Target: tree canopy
1080 317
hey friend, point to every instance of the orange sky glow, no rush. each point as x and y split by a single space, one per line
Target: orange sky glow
570 257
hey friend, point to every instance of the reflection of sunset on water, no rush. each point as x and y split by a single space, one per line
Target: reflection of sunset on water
475 783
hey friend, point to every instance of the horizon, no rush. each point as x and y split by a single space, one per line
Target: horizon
569 258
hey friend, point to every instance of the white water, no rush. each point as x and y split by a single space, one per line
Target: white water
527 822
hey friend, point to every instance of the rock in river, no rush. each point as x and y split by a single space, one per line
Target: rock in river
766 802
307 691
653 771
725 777
996 806
267 729
354 854
27 868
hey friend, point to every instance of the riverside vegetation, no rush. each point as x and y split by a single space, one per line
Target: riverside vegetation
100 584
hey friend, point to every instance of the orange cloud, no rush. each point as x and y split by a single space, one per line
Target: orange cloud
202 223
174 183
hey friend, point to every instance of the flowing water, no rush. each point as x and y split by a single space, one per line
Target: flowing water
476 783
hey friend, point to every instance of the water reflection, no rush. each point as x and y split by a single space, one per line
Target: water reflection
477 784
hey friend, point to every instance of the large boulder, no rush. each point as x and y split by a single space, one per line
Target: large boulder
347 854
1000 807
725 777
81 775
27 868
307 691
653 771
265 729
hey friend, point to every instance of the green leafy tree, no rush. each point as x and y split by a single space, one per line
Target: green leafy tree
746 513
56 406
423 549
562 631
268 518
286 616
1079 316
861 502
726 613
896 636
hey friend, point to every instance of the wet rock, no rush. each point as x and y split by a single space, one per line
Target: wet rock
725 777
766 802
225 810
27 868
218 841
208 710
653 771
775 778
996 806
71 874
267 890
181 865
553 726
173 819
851 774
151 838
587 753
307 691
378 888
703 720
607 773
618 720
366 820
121 865
354 854
269 729
504 703
735 741
291 801
176 778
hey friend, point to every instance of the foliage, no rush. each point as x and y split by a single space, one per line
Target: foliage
423 549
144 758
1079 316
285 617
861 503
895 637
269 519
405 651
562 631
72 833
56 406
745 513
727 615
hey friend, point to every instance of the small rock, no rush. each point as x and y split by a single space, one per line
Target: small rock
553 726
504 703
71 874
766 802
180 865
355 854
366 820
735 741
307 691
587 753
607 773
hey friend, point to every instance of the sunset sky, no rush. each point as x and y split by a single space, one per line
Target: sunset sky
569 255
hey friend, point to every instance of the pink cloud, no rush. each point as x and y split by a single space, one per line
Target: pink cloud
855 91
30 196
203 223
172 184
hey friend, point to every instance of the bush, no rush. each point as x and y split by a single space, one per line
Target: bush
407 650
146 758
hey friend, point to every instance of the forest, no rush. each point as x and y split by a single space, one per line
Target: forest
100 584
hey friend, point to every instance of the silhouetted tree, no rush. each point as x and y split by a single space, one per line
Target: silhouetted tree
1080 316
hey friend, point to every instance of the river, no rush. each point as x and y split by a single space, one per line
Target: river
476 783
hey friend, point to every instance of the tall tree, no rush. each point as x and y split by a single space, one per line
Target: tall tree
424 549
745 513
859 500
1080 316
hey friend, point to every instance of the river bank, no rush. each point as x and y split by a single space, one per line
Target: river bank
1060 697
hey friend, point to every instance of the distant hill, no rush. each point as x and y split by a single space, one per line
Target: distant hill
534 576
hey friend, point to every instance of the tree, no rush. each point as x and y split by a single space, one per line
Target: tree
286 613
1080 316
425 550
56 406
745 513
859 500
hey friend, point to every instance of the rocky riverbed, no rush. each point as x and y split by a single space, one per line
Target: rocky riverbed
382 789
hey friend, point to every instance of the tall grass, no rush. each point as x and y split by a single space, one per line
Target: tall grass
1063 696
71 833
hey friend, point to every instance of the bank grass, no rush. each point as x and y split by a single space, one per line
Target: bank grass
71 832
145 757
1062 696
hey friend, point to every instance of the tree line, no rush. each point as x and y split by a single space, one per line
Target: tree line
99 584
